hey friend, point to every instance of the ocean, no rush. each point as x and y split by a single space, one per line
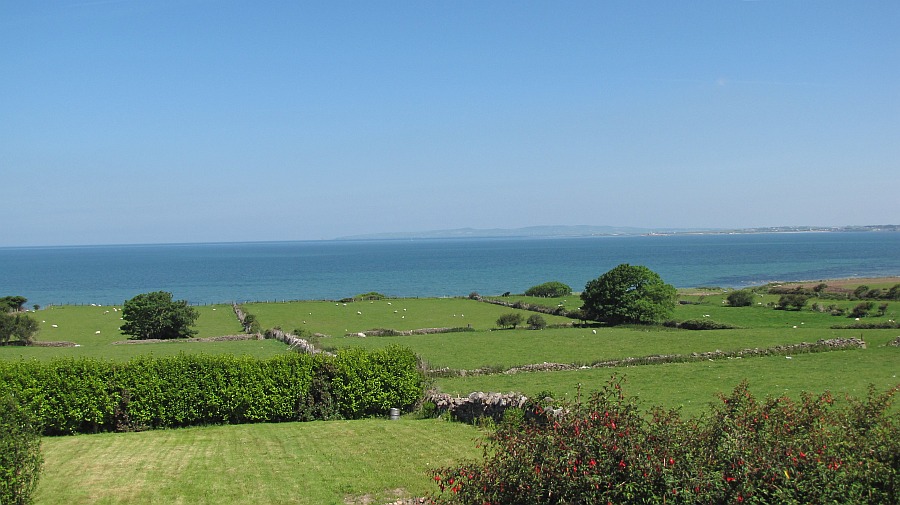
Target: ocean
327 270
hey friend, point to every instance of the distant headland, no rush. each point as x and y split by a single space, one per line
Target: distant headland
605 231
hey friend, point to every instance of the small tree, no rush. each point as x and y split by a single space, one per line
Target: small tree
862 309
552 289
860 291
740 298
12 303
792 300
17 325
156 316
20 453
511 319
536 322
893 293
629 294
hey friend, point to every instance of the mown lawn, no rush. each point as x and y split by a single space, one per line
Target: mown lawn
333 462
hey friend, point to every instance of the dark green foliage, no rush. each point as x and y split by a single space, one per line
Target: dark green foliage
628 294
21 326
698 324
552 289
88 396
742 450
12 303
862 309
860 291
156 316
20 453
792 301
893 293
370 383
536 322
740 298
510 320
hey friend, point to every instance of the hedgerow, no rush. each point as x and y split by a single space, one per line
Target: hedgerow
88 395
20 453
606 450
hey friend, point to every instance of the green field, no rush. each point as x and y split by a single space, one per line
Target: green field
375 461
335 462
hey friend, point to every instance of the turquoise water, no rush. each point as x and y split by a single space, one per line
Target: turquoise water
214 273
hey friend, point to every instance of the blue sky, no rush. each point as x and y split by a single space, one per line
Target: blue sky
205 120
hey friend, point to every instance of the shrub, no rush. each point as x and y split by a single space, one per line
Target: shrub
862 309
698 324
87 396
797 301
552 289
606 450
740 298
893 293
20 453
536 322
511 319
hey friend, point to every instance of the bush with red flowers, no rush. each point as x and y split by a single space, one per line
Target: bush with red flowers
743 450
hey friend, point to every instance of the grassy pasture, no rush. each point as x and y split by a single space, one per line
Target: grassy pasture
376 461
80 324
691 386
337 319
334 462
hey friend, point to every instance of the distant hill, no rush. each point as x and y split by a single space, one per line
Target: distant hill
599 231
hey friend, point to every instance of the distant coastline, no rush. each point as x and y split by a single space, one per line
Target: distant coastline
608 231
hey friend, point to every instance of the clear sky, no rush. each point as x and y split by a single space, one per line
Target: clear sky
202 120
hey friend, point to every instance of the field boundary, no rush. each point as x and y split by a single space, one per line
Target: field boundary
822 345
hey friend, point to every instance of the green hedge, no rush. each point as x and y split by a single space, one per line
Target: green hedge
88 395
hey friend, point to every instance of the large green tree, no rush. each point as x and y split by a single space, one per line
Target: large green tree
628 294
156 315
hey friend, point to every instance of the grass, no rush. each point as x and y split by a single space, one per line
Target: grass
80 324
337 319
332 462
691 386
376 461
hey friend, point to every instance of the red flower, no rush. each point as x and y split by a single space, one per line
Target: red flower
622 464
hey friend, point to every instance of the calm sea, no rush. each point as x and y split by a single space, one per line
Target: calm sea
214 273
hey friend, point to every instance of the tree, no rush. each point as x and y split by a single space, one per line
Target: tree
155 315
740 298
20 452
629 294
792 300
552 289
17 325
12 303
862 309
511 319
536 322
893 293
